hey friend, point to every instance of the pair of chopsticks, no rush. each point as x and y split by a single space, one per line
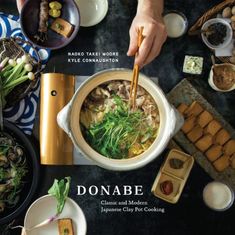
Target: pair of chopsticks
135 77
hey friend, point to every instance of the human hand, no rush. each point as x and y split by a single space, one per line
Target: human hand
154 37
20 4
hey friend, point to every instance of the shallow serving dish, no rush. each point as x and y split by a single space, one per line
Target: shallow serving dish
45 207
92 11
69 119
29 19
31 178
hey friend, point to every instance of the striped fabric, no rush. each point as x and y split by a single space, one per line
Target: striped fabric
22 114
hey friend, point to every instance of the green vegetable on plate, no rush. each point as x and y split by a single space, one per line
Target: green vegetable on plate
13 74
60 190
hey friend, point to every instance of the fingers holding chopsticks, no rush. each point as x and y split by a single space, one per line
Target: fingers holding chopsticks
154 37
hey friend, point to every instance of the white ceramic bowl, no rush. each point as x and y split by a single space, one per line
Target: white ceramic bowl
215 190
92 11
228 37
211 80
170 121
45 207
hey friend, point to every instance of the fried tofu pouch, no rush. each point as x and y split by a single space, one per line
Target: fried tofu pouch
65 226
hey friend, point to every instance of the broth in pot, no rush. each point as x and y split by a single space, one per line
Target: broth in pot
111 128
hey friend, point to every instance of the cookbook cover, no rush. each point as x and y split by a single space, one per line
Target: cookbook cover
117 117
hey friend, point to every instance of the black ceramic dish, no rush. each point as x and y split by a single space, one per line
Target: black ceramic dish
32 177
29 20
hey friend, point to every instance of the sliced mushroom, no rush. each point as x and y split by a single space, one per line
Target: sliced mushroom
139 101
140 91
100 93
123 92
113 86
3 188
3 160
19 151
152 122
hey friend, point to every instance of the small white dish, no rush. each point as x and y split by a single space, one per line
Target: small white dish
218 196
176 24
211 80
45 207
92 11
228 37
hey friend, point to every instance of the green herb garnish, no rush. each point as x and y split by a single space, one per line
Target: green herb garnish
59 26
60 190
66 231
118 131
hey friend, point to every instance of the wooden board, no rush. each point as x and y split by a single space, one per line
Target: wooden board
184 92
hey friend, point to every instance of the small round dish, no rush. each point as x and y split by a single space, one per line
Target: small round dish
92 11
44 207
211 78
213 193
227 39
176 23
29 20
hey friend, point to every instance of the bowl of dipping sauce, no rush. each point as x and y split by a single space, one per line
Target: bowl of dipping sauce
176 24
222 77
218 196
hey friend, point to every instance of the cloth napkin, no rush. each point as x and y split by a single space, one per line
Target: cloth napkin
22 114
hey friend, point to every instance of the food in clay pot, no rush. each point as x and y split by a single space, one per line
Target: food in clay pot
111 128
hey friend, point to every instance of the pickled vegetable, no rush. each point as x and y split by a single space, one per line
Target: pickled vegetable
55 5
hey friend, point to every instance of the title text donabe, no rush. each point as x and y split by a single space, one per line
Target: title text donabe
102 190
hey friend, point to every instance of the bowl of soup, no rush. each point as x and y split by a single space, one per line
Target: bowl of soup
103 128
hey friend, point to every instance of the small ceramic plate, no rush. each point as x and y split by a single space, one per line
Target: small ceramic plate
45 207
92 11
29 18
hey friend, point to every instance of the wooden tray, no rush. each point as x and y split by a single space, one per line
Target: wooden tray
184 92
177 176
208 15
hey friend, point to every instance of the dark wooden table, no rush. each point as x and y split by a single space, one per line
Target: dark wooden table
189 215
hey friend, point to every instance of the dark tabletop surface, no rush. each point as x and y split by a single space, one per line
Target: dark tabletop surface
189 216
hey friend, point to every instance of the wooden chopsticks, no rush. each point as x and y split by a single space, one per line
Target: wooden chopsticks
135 77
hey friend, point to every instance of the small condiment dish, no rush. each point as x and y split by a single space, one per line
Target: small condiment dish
218 196
211 78
177 175
176 23
92 11
227 39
